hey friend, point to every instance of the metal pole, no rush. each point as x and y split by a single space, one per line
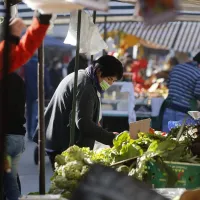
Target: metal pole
94 21
4 94
105 32
41 138
72 127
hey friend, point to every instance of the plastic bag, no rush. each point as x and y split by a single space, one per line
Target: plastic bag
91 41
52 6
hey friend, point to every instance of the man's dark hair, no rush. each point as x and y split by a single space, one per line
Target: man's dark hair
110 66
197 58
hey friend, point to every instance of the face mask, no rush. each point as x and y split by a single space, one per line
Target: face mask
104 85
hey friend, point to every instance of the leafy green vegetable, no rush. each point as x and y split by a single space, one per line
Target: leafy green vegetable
75 162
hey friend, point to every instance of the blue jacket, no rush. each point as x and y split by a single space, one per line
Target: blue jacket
30 75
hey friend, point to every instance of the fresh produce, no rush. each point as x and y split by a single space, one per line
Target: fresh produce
127 155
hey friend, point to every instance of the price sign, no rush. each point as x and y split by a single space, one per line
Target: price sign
158 11
93 4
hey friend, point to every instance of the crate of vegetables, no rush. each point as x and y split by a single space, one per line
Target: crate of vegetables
186 174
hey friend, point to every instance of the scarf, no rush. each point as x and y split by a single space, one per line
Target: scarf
91 72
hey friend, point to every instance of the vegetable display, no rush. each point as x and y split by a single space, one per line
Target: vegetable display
127 155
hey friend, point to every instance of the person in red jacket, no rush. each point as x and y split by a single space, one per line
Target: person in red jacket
14 122
23 49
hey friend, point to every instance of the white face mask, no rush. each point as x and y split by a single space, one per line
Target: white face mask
104 85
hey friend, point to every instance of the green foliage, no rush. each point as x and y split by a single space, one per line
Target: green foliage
75 162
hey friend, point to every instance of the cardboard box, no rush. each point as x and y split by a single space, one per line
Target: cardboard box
139 126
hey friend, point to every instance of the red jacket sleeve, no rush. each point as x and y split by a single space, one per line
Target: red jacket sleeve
28 44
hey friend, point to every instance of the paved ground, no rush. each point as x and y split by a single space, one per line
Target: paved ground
29 173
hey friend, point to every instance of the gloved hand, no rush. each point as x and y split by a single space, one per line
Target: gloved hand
43 18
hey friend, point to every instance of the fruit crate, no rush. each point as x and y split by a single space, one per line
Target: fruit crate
188 175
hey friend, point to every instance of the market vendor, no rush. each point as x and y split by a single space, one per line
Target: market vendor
23 49
92 82
184 91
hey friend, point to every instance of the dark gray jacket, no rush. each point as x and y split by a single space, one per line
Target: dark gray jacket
58 115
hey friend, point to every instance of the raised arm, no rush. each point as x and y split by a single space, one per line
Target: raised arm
23 49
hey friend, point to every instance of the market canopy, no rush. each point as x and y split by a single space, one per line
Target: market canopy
179 36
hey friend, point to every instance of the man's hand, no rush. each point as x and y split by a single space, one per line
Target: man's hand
17 26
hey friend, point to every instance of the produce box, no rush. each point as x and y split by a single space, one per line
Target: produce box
188 175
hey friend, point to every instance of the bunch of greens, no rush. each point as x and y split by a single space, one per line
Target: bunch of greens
73 163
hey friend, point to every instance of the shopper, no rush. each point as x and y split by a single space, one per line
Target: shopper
14 121
92 81
23 49
184 91
14 128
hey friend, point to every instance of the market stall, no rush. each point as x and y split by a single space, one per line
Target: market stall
137 158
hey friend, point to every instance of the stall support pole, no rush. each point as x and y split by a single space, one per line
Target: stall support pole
105 32
4 94
94 21
41 138
73 115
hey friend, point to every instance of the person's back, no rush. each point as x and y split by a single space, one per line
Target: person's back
14 129
184 91
16 106
57 118
184 84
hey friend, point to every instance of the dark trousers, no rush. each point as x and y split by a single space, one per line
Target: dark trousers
52 156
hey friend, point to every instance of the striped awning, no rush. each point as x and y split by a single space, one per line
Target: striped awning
179 36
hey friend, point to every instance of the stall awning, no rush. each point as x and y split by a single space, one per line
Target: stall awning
180 36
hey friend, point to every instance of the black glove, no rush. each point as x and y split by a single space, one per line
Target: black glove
43 19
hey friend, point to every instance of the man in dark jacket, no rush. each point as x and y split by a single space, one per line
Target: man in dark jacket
91 83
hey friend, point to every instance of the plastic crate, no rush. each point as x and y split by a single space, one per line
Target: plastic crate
188 175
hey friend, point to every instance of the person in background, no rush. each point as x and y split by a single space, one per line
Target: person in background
184 91
164 73
83 63
30 77
92 81
56 73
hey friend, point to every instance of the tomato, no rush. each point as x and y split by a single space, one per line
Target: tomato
151 130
